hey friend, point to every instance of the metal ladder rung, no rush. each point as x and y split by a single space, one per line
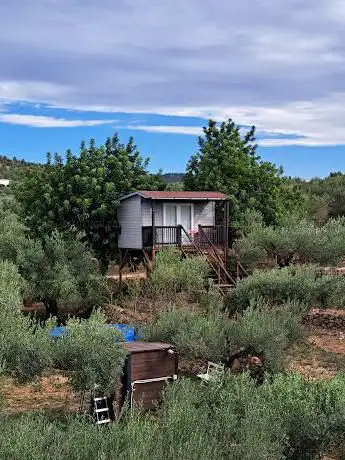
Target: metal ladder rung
102 398
100 422
102 410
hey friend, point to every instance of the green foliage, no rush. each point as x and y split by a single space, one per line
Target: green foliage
171 275
294 239
300 283
11 287
227 162
195 336
173 178
14 169
61 271
175 187
267 331
58 268
285 418
24 348
83 193
263 330
324 197
90 354
12 230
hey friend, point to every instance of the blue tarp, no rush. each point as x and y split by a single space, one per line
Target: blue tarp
58 331
127 331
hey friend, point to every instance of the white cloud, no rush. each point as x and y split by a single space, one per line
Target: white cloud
38 121
317 123
190 130
278 65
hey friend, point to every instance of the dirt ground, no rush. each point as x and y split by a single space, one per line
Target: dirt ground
51 394
322 355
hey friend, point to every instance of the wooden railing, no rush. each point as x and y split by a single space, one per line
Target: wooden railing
172 236
162 236
215 234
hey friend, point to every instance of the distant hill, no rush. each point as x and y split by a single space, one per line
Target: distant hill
173 178
11 168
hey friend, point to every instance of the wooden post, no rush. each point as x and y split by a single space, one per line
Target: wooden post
153 230
123 260
146 261
179 235
226 231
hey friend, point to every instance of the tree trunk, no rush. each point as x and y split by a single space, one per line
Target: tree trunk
51 307
104 263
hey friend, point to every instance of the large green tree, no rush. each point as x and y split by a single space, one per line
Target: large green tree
227 161
58 269
325 197
82 193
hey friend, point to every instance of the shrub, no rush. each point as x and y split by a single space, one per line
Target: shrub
213 336
90 354
60 271
11 288
294 239
312 414
300 283
24 346
27 351
267 331
195 336
285 418
172 275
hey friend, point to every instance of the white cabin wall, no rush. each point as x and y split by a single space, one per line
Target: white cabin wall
130 220
146 214
204 213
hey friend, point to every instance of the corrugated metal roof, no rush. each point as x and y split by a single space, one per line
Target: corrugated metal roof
179 195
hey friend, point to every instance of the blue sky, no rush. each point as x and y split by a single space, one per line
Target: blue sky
76 69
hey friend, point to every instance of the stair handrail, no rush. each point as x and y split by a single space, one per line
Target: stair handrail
182 229
221 262
190 239
204 234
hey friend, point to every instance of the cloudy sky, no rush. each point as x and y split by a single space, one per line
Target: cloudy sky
74 69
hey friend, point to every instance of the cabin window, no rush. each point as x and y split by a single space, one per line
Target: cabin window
170 215
178 214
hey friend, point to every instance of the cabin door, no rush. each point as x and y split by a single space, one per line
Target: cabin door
186 220
178 214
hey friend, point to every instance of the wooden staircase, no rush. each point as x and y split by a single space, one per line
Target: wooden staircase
217 259
204 244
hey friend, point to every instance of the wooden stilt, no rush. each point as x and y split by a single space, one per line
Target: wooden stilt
153 231
120 271
146 260
123 260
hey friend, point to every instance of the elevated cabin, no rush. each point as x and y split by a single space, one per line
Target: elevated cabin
150 220
194 222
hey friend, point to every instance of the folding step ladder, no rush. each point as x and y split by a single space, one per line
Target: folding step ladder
101 410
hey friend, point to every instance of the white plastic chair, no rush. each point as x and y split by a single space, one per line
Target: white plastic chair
214 370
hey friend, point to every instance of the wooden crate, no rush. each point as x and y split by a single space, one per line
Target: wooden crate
148 369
